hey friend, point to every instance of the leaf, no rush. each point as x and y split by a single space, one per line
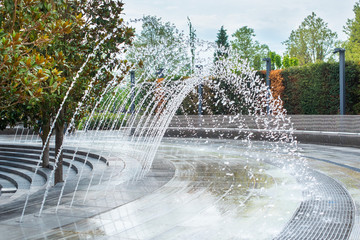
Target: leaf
28 62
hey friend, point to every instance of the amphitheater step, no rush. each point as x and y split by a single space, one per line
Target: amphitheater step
19 163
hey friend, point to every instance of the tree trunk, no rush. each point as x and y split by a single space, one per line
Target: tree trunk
59 131
44 134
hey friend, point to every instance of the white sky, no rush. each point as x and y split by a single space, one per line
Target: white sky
272 20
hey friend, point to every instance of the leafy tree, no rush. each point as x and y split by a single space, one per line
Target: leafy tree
289 62
278 62
248 48
67 43
294 62
159 46
286 61
24 69
313 41
352 29
222 43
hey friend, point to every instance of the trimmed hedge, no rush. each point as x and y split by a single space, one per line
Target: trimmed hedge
314 89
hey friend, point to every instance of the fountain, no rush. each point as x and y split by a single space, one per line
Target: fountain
145 165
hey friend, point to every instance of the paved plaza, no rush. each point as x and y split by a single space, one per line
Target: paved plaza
196 189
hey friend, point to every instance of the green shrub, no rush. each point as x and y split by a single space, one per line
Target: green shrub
314 89
104 121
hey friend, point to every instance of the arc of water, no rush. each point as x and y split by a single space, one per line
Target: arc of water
113 170
147 130
102 174
93 173
153 127
76 150
171 110
97 128
106 90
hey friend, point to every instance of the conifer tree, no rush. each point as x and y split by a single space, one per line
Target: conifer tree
222 44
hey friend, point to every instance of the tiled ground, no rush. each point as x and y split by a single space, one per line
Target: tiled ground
219 190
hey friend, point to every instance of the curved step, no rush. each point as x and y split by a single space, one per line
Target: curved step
8 182
29 168
37 149
22 180
34 162
35 156
19 162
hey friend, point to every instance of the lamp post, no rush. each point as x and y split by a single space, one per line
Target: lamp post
200 91
132 81
341 52
268 69
268 84
200 87
132 106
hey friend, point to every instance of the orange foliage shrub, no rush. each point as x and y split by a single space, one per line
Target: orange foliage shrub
277 89
277 86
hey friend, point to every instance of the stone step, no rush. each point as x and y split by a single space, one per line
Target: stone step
36 156
19 162
38 149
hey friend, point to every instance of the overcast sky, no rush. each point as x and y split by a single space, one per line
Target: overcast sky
272 20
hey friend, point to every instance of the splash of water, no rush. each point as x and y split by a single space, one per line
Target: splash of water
230 87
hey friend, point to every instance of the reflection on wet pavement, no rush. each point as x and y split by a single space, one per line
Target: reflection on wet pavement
196 190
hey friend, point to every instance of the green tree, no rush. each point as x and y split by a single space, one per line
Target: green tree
294 62
222 44
159 46
67 59
352 29
313 41
289 62
278 62
24 69
248 48
286 61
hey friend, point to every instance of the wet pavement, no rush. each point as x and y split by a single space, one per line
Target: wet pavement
208 189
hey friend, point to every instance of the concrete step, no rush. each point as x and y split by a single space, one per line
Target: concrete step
38 149
19 162
35 155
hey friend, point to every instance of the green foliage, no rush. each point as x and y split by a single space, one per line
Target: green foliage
159 46
294 61
352 29
29 73
44 46
103 121
278 62
248 48
222 43
313 41
314 89
289 62
286 61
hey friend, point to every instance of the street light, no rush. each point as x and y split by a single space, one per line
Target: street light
132 81
268 69
341 52
200 91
